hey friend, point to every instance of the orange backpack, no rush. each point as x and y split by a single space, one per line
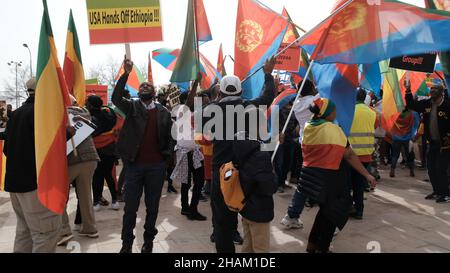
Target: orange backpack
230 186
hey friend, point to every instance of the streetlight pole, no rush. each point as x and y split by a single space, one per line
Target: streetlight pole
17 64
31 64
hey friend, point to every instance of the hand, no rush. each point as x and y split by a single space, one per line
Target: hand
282 137
71 131
371 180
269 65
127 65
407 84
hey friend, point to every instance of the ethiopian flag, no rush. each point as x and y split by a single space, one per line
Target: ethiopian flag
50 118
73 66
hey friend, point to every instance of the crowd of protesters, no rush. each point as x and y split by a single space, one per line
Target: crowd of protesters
328 168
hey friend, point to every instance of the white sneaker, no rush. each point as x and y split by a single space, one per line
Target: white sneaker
289 222
76 227
97 207
115 206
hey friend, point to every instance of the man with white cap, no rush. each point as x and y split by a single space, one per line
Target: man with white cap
224 220
37 228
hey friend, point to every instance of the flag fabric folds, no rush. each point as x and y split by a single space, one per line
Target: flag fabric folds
201 22
134 80
366 32
221 62
50 119
73 65
259 33
443 56
338 82
370 78
186 67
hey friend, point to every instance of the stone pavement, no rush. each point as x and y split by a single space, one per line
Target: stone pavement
397 219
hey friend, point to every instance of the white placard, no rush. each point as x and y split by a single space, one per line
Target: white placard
83 131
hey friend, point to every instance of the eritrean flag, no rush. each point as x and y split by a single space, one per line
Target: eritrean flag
443 56
259 33
221 62
323 145
134 80
201 22
369 31
50 118
73 65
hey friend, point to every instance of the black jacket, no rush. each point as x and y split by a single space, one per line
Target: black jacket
257 180
132 133
222 149
20 150
443 112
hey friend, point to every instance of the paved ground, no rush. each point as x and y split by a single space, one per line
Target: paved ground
397 219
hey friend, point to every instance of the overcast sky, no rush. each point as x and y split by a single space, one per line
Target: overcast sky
21 20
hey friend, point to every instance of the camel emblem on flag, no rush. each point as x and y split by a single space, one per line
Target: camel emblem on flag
249 36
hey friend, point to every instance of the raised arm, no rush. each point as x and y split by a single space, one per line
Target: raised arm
411 103
268 94
118 96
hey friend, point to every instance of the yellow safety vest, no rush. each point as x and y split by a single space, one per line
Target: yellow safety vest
362 134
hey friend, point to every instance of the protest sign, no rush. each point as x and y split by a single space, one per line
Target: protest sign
421 63
288 60
131 21
83 131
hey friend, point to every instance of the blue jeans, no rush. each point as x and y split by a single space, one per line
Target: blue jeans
297 204
139 179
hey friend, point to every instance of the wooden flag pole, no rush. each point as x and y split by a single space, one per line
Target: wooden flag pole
128 51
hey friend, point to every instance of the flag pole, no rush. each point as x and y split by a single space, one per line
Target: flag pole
285 18
231 58
292 108
128 51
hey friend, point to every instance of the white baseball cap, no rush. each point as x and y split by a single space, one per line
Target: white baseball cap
230 85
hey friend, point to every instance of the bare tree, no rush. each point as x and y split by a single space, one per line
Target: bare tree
105 72
9 84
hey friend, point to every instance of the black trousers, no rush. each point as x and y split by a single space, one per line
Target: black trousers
102 173
322 232
437 164
224 220
199 180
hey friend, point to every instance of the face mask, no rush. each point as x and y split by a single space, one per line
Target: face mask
146 96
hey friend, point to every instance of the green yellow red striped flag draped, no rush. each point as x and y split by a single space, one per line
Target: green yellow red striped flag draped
50 119
73 65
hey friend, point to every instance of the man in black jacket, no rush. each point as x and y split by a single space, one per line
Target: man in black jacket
144 144
224 220
37 228
436 116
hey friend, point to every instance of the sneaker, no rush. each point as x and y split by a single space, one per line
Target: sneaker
280 189
64 239
196 216
104 202
97 207
392 173
293 223
443 199
115 206
432 196
237 239
171 188
89 234
126 249
147 247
